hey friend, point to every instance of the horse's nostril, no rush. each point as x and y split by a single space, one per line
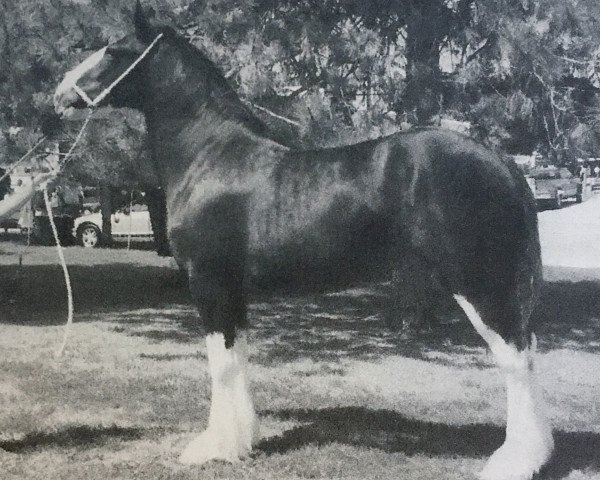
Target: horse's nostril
63 100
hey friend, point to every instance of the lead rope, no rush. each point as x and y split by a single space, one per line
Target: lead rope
63 264
59 248
91 105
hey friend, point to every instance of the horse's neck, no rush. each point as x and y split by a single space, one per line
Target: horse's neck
193 120
207 144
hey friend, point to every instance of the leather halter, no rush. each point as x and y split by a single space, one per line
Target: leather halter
102 95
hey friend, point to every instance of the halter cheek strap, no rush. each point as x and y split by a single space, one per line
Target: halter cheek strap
84 96
102 95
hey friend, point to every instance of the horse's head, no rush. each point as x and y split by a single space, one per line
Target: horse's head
81 85
158 72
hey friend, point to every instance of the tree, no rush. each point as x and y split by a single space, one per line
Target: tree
522 71
112 156
533 82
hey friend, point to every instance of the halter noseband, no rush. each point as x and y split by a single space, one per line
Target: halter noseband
102 95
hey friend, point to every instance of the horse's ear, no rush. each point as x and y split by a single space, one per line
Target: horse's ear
143 29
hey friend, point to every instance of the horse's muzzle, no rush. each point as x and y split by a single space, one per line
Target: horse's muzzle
65 100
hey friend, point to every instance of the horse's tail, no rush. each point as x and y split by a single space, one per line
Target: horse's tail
529 277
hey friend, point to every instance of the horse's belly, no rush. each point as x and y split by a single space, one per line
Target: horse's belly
324 253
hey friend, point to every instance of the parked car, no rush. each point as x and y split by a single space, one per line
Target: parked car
552 186
41 231
88 228
10 222
65 204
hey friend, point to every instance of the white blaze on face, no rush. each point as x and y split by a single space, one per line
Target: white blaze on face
72 76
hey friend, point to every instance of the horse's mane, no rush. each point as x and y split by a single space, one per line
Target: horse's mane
225 101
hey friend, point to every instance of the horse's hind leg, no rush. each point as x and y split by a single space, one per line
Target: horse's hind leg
414 295
232 425
528 444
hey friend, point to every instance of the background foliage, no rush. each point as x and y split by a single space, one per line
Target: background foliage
524 73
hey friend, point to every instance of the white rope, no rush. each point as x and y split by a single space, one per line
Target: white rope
273 114
77 138
59 248
90 103
63 264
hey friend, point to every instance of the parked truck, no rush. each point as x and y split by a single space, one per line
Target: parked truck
551 186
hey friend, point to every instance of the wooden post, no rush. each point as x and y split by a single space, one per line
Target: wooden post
130 219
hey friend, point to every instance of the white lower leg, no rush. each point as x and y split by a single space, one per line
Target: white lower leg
232 425
528 444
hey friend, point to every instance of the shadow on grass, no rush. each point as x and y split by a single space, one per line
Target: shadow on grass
392 432
171 335
573 451
330 327
568 316
348 326
384 430
36 294
75 436
320 326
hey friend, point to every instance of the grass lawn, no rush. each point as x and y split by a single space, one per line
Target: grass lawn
339 395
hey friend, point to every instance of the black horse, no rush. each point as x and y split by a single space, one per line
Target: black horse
244 208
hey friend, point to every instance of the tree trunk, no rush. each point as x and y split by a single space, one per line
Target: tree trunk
424 27
106 211
4 184
157 207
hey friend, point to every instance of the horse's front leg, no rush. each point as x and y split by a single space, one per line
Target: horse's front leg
232 425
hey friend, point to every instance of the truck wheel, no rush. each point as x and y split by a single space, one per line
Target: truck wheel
88 235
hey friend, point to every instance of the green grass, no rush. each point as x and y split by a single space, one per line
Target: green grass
339 395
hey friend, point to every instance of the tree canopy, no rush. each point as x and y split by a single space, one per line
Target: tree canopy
524 73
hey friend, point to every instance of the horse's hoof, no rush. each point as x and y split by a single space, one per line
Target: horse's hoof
516 462
209 445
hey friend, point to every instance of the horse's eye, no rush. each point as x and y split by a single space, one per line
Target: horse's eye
113 50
